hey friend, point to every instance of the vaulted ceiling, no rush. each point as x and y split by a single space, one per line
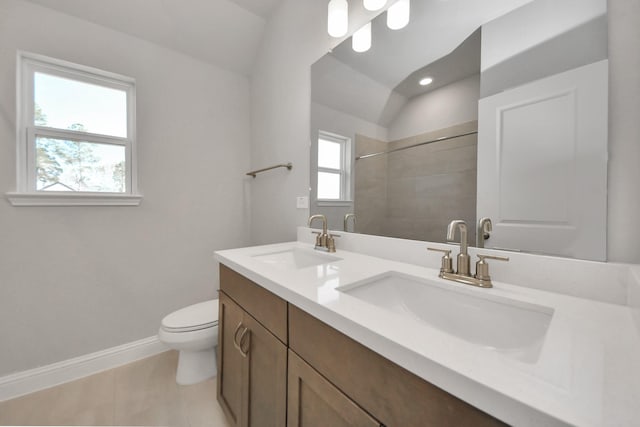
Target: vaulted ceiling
226 33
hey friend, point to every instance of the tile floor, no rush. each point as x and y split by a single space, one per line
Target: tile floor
141 393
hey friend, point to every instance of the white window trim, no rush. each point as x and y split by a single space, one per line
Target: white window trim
344 171
331 202
26 132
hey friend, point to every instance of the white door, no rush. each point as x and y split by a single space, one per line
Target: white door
542 164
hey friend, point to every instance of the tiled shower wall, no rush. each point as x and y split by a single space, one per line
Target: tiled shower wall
415 193
370 198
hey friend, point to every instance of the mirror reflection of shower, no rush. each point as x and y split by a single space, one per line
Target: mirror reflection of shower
412 189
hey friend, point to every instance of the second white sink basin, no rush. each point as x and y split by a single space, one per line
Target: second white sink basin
296 258
512 327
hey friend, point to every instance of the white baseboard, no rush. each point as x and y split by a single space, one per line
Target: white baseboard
21 383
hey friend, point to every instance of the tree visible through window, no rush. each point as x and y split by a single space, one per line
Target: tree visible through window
66 165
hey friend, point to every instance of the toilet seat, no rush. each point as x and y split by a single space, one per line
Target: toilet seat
192 318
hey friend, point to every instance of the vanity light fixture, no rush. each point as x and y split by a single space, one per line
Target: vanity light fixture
373 5
361 40
338 18
425 81
398 14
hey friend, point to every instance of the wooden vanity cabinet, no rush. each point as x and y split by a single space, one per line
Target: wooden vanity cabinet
391 394
267 308
252 361
328 380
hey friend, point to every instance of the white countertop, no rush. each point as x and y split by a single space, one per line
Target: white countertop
587 374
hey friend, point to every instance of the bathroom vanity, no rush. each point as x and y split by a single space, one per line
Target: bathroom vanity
309 338
331 379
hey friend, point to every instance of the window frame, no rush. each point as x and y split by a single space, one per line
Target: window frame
28 64
344 172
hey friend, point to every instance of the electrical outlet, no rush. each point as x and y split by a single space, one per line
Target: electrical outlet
302 202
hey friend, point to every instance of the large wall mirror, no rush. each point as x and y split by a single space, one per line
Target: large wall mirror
512 126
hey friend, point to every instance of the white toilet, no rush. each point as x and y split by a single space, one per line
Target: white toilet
193 331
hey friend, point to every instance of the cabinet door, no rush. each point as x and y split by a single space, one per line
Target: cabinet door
315 402
232 366
266 404
252 370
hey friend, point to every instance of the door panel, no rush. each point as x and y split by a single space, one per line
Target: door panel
232 367
315 402
267 363
542 164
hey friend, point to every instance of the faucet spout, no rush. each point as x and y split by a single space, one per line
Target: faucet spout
346 220
324 222
464 263
484 229
451 234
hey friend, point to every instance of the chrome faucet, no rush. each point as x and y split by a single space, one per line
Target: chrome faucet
324 240
484 229
463 260
346 220
463 275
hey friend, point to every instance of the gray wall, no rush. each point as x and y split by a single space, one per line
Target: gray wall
624 131
74 280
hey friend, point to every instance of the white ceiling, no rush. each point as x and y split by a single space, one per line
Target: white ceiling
226 33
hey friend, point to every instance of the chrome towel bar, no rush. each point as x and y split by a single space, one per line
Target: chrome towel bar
283 165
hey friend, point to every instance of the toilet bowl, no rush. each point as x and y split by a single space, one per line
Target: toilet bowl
193 331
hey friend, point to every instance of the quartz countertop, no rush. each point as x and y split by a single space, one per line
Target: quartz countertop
587 373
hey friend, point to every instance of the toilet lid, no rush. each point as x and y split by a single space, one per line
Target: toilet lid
197 316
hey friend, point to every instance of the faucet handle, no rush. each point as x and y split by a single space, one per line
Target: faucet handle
446 265
497 258
331 243
482 267
320 238
445 251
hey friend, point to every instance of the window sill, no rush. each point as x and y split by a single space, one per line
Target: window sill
73 199
334 203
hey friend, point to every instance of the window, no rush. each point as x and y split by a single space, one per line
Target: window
76 135
333 167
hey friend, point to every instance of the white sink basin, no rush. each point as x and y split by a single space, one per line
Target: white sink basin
512 327
296 258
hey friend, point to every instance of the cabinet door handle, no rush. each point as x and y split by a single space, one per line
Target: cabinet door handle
235 337
244 335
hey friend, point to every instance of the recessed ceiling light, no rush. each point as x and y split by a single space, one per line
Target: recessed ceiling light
425 81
